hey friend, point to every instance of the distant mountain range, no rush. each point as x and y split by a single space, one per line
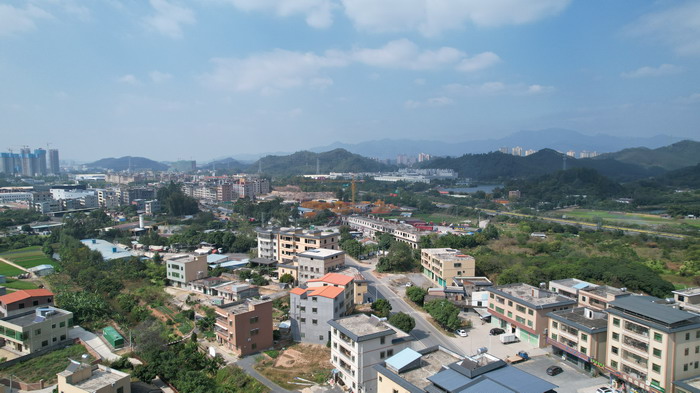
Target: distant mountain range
304 162
128 162
557 139
226 163
678 155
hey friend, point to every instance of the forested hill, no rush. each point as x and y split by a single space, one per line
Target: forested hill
304 162
499 166
678 155
125 163
226 164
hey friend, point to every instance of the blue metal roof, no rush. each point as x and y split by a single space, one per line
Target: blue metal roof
449 380
507 378
582 285
214 258
403 359
483 384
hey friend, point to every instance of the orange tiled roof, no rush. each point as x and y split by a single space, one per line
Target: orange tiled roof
23 294
298 291
334 278
329 292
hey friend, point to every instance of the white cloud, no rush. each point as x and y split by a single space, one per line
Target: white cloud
169 18
318 13
159 77
269 72
663 69
677 27
430 102
498 88
478 62
19 20
432 17
128 79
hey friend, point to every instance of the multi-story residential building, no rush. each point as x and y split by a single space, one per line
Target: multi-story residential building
181 269
442 265
152 207
31 331
569 287
316 263
358 342
244 327
338 280
436 369
310 310
53 162
522 309
651 345
19 302
282 244
86 378
688 299
107 198
369 226
599 297
580 335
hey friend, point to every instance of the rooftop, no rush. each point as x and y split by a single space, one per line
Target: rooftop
688 291
430 363
320 253
362 327
334 278
23 294
243 306
691 384
446 253
477 281
592 321
101 376
108 250
654 311
605 291
325 291
532 296
32 317
183 258
574 283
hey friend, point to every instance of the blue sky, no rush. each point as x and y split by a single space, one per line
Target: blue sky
201 79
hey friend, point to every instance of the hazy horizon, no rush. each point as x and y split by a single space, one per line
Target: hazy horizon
170 80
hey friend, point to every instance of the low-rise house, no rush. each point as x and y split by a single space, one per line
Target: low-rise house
358 342
521 309
688 299
19 302
474 288
86 378
452 293
569 287
244 327
181 269
42 270
599 297
580 336
436 369
288 268
34 330
208 286
237 291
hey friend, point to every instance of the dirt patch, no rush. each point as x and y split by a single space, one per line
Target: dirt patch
293 367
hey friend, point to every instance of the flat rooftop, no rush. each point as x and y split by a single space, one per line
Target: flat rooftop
446 253
100 378
31 318
691 384
605 291
243 306
320 253
653 310
431 363
688 291
362 325
108 250
577 317
573 283
535 297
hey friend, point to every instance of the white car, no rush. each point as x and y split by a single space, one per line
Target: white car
604 389
461 332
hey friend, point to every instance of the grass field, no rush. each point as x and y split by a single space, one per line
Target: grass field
626 218
7 270
28 257
19 284
45 367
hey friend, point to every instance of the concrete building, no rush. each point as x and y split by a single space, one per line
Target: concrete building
569 287
310 310
651 345
19 302
244 327
474 289
442 265
316 263
522 309
86 378
358 343
108 250
282 244
31 331
237 291
436 369
369 226
338 280
599 297
688 299
181 269
580 335
53 163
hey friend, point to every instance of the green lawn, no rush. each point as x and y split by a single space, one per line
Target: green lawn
46 366
7 270
28 257
19 284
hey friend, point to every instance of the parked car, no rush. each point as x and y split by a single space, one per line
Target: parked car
554 370
508 338
461 332
604 389
496 331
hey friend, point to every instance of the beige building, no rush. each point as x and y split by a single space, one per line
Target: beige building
651 345
688 299
282 244
599 297
318 262
85 378
442 265
181 269
369 226
33 330
522 309
579 335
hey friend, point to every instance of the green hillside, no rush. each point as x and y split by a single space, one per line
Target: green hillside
304 162
124 163
678 155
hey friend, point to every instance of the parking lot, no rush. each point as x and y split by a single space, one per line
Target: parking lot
572 380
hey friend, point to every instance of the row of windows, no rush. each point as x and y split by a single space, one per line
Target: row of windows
313 321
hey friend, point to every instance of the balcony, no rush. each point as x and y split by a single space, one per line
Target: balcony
567 342
345 338
638 330
633 372
635 359
635 344
569 337
220 326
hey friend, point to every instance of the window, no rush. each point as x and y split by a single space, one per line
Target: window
62 324
491 295
687 351
63 337
303 335
120 390
530 312
656 368
335 345
314 321
510 314
314 299
616 322
584 337
53 326
510 303
685 367
657 352
254 346
35 303
613 364
520 308
697 334
697 364
255 332
655 382
382 355
303 320
583 299
382 340
555 325
658 337
616 336
390 353
254 320
303 308
320 338
45 343
583 350
615 350
529 323
395 391
554 337
687 336
314 310
54 339
697 349
21 305
37 332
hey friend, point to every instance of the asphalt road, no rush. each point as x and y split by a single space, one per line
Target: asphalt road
424 332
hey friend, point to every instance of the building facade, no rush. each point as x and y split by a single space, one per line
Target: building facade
442 265
369 226
310 310
86 378
282 244
33 330
19 302
316 263
244 327
181 269
580 335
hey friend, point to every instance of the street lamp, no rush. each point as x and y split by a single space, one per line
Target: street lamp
11 375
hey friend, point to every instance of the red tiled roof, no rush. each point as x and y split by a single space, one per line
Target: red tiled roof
334 278
23 294
327 291
298 291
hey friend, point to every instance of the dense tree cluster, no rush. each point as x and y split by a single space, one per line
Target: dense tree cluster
403 321
174 201
401 258
17 217
444 313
